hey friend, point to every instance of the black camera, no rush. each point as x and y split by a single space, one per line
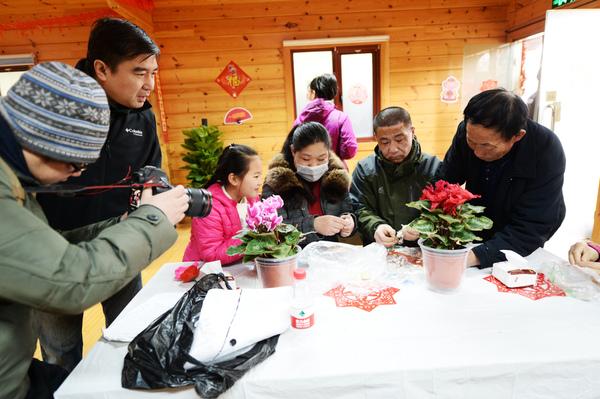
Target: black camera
200 203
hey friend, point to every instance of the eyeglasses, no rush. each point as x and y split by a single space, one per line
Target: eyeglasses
78 167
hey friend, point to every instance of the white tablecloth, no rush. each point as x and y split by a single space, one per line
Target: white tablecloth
477 343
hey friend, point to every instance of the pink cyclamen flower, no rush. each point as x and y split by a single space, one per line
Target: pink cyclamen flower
272 222
254 216
274 201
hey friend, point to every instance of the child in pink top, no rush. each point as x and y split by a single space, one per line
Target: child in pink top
234 185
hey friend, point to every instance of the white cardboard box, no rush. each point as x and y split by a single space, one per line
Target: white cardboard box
515 272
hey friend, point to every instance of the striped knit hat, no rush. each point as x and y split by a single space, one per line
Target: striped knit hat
59 112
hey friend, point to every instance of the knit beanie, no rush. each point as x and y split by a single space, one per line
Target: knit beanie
59 112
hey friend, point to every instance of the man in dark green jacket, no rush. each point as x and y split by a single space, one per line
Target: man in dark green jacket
385 181
53 123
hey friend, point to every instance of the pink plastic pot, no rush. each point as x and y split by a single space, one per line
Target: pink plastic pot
276 272
444 268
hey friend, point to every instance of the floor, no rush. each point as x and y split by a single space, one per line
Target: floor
93 318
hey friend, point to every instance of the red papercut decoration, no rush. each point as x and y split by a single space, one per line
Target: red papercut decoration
542 289
161 109
449 93
237 115
368 301
411 255
358 94
233 79
488 85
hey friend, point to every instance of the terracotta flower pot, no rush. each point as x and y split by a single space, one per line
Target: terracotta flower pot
444 268
276 272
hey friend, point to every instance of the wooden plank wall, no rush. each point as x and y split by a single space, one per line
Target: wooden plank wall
197 41
67 44
426 45
527 17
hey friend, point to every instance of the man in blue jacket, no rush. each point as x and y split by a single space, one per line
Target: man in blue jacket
516 165
122 58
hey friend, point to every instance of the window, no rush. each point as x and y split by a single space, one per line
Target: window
357 67
12 66
7 79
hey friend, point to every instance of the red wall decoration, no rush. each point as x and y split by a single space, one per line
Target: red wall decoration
233 79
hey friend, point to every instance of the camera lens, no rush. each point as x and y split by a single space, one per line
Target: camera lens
200 202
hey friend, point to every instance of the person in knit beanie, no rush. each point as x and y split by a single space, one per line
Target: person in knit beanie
53 124
55 113
123 59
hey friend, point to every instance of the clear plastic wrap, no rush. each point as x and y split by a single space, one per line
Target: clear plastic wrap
578 282
332 263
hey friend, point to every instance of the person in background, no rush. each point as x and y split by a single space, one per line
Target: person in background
313 184
321 91
585 254
53 123
393 175
516 165
123 60
234 185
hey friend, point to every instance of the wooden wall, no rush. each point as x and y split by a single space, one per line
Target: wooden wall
197 41
426 45
527 17
66 44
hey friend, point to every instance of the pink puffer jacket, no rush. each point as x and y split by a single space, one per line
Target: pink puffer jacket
213 234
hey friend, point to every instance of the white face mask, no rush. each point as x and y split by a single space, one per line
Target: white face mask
312 173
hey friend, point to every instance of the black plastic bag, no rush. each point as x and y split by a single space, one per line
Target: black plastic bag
155 358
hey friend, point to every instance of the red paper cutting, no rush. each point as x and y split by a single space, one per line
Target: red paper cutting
233 79
410 256
368 300
542 289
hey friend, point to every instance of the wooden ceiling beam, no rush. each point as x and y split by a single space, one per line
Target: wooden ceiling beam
141 18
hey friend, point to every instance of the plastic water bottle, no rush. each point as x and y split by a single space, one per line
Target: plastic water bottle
302 313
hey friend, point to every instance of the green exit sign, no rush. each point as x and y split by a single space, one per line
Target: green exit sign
560 3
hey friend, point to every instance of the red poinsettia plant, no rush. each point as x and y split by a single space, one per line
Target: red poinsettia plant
447 221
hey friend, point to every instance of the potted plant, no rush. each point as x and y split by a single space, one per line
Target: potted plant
273 245
204 146
446 226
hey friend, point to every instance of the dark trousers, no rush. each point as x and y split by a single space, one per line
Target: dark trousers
60 334
44 379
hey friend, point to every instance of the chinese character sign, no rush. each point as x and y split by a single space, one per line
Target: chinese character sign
233 79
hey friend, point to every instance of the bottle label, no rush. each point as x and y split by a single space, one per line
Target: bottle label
302 320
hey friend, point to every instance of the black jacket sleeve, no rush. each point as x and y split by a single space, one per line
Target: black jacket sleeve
536 215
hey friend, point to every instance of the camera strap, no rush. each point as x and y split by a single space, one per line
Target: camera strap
85 190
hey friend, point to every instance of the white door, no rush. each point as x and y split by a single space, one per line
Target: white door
569 101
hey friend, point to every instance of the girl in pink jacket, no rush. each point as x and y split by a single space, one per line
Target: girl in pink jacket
234 185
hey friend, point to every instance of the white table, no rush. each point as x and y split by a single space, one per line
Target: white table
477 343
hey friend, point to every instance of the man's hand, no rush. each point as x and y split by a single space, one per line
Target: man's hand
172 203
409 234
348 225
385 235
472 259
